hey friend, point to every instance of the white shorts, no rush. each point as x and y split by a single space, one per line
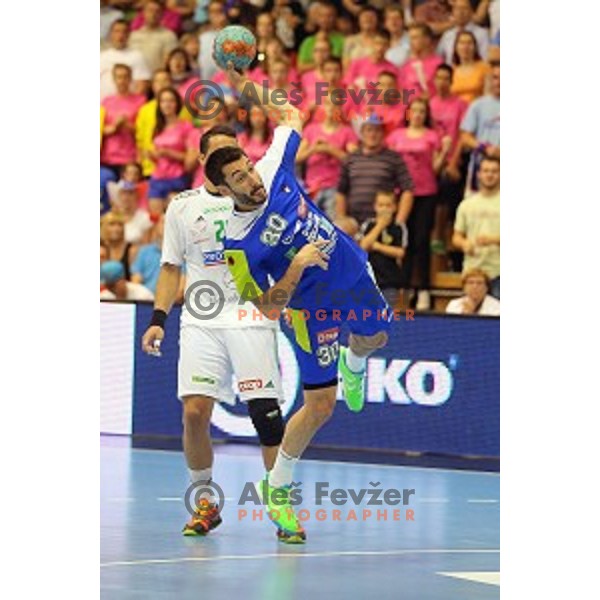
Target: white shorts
211 361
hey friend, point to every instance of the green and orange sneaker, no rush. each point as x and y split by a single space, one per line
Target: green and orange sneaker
206 517
281 512
353 384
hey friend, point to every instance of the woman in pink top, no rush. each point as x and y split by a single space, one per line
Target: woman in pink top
118 135
325 143
170 143
470 72
424 155
178 66
256 137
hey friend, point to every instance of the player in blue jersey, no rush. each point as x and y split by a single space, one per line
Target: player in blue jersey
321 275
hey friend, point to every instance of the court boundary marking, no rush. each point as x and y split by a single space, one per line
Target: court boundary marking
341 554
347 463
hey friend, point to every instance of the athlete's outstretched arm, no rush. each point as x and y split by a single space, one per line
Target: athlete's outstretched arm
288 114
276 298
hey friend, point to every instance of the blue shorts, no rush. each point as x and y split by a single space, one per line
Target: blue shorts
316 332
161 188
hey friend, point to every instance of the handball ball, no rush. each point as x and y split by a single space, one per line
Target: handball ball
236 44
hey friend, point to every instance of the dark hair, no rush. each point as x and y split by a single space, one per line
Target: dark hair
487 158
427 122
132 163
216 130
455 59
213 170
394 8
383 33
119 22
333 59
447 68
122 66
367 8
171 54
161 123
389 74
423 28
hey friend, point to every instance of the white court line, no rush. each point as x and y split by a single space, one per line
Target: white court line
483 501
348 464
180 499
488 577
163 561
433 500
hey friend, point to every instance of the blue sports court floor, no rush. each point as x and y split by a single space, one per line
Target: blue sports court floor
450 550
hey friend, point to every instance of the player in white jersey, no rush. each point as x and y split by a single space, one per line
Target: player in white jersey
214 341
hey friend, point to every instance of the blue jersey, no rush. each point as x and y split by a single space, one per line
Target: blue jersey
261 244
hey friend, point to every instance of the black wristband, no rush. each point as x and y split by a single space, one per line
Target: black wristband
158 318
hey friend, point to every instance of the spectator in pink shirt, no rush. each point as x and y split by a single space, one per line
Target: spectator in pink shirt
118 142
364 71
419 70
389 106
279 79
447 110
170 143
325 143
256 136
424 155
321 53
178 66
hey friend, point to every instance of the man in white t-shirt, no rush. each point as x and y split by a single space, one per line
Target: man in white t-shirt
477 225
153 40
476 300
116 287
220 335
118 53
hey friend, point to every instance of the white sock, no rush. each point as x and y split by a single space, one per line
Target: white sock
204 475
355 363
282 470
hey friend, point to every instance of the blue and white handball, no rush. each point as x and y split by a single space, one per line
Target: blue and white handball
236 44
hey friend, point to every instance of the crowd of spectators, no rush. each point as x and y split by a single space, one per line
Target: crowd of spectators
401 144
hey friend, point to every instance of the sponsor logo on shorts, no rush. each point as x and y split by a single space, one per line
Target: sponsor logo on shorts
251 385
203 379
328 336
214 257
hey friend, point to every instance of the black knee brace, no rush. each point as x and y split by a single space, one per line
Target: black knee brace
267 420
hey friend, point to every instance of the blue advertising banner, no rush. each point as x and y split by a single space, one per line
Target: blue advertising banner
434 388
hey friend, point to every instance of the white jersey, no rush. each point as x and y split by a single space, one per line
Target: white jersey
195 225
